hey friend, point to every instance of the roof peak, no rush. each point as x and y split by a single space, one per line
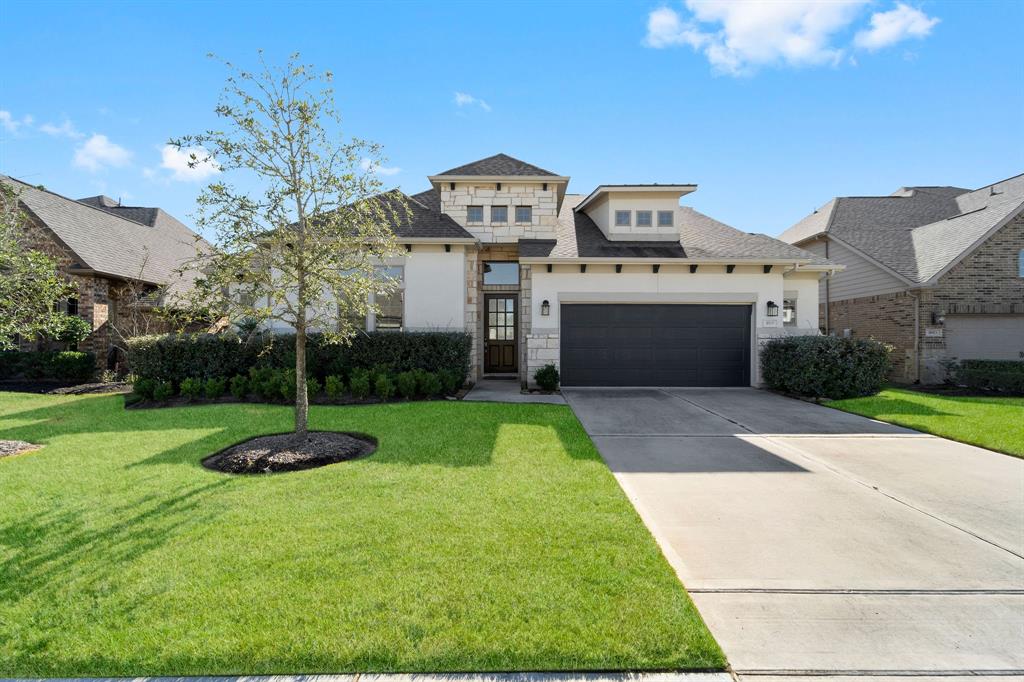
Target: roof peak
497 165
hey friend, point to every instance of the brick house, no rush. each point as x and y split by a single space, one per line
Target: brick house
938 272
123 259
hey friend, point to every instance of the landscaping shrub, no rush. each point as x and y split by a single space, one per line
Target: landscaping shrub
213 389
547 377
191 389
428 384
69 366
989 375
384 387
286 385
144 388
313 387
359 383
825 366
265 383
335 387
73 330
163 391
451 381
406 384
240 387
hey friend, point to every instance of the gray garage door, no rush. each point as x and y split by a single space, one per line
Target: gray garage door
655 345
985 337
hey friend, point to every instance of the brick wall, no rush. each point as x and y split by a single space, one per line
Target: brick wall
886 317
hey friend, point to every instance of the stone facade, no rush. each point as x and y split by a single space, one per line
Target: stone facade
544 203
477 289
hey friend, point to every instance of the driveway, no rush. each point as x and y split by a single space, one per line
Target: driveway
815 541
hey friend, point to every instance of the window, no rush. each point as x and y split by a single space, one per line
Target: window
499 214
524 214
390 306
623 218
72 306
474 214
666 218
1020 263
643 218
789 312
501 272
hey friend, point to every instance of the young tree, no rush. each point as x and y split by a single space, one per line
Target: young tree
30 286
306 248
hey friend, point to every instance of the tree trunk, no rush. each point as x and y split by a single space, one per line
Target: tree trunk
301 399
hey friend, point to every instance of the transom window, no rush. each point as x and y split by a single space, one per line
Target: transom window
474 214
524 214
499 214
665 218
643 218
623 218
501 272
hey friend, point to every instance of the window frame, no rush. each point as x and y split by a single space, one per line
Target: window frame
650 217
503 207
469 210
671 218
629 217
483 274
529 218
371 315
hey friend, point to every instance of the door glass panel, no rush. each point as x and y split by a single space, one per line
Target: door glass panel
492 334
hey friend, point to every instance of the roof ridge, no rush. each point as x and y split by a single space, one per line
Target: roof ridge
80 203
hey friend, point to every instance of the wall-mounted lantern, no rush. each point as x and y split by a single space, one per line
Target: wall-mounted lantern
938 318
545 308
772 309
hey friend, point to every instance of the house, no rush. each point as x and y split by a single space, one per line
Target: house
123 258
621 286
938 272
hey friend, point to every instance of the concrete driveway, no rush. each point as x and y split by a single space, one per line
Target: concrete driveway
819 542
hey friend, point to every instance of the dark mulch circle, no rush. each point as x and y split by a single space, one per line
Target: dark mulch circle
16 447
282 452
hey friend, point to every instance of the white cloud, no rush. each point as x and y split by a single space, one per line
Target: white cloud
99 152
896 25
177 161
463 99
371 166
65 129
9 123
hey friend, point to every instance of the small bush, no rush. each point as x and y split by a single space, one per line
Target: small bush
359 384
213 389
191 389
384 387
240 387
286 385
313 387
825 366
451 380
73 330
265 383
989 375
335 387
144 388
428 384
547 377
163 391
406 384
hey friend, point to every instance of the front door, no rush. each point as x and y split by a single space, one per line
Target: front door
500 333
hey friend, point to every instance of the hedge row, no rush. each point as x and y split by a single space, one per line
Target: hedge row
176 357
990 375
825 366
57 365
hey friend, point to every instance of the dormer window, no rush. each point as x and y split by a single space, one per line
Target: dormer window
623 218
644 218
524 214
499 214
665 218
474 214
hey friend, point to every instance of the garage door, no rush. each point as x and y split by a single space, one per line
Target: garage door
655 345
985 337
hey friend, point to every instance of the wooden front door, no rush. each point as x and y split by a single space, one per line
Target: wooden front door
500 332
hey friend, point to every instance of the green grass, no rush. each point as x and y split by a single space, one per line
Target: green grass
478 537
994 423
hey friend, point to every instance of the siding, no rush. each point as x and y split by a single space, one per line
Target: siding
860 278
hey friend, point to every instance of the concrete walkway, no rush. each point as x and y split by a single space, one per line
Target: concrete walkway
818 542
508 391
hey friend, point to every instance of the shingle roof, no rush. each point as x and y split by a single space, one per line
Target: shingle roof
113 245
498 165
917 231
701 237
426 220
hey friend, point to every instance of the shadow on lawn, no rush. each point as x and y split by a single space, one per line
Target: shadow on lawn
881 407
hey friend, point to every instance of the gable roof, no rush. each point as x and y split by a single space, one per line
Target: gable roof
425 220
497 166
917 232
111 245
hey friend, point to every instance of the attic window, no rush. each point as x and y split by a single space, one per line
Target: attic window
524 214
644 218
665 218
623 218
474 214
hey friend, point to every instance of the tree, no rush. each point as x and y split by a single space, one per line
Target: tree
31 289
306 247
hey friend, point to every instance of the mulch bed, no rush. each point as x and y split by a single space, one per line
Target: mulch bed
282 452
62 387
134 402
16 447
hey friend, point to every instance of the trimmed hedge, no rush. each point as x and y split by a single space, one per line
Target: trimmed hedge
176 357
990 375
66 365
825 366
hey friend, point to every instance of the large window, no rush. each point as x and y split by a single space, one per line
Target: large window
474 214
499 214
524 214
665 218
501 272
623 218
644 218
390 306
1020 263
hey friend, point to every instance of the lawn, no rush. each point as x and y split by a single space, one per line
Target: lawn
478 537
994 423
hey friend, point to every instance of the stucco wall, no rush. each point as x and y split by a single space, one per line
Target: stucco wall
435 288
602 212
511 194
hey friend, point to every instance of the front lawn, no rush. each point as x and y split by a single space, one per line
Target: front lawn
478 537
994 423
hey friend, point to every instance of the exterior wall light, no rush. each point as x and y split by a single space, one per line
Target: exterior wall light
545 308
938 318
772 309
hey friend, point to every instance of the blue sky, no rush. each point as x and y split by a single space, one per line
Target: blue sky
771 108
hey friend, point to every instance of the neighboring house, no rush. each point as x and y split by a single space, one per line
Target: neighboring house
622 286
123 258
938 272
